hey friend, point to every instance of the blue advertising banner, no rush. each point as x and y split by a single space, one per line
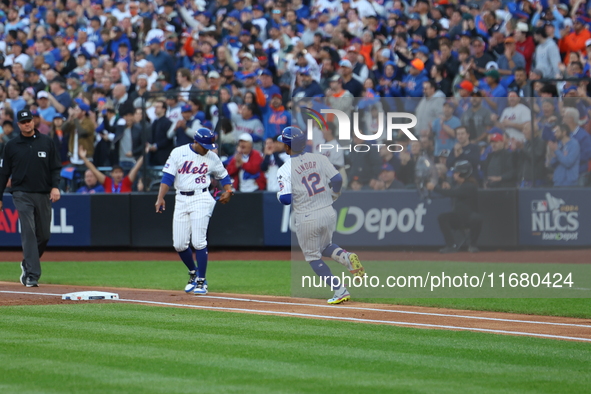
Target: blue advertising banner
275 221
70 222
368 218
554 217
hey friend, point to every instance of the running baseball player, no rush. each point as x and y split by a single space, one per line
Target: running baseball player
188 168
315 185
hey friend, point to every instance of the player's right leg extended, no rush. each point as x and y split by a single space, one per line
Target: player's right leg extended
348 259
323 271
313 235
181 235
200 213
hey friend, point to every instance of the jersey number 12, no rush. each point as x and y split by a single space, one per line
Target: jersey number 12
312 184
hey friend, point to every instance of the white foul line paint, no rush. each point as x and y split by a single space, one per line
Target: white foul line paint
29 292
364 309
359 320
398 311
354 319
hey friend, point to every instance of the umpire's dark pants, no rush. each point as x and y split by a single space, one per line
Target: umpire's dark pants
34 211
450 221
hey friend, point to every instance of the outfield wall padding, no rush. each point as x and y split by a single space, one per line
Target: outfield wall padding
512 217
498 208
110 220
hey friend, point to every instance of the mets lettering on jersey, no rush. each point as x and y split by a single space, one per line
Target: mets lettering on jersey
191 170
187 168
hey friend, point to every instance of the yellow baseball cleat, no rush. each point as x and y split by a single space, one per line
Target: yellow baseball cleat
356 267
340 298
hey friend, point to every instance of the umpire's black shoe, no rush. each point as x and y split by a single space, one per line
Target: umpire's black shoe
448 249
24 273
31 282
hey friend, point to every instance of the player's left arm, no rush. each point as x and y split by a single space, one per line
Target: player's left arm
284 193
220 173
336 179
168 177
336 183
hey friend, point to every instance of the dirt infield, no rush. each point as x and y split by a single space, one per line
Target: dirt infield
405 316
525 256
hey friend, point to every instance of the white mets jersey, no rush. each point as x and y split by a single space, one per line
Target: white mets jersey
192 171
306 177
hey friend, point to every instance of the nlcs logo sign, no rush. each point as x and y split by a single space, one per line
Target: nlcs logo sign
555 220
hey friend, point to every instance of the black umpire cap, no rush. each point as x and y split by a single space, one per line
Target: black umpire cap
24 115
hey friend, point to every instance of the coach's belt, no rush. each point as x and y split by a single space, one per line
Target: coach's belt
192 193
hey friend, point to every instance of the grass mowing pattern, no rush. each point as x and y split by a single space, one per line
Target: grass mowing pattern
120 348
265 278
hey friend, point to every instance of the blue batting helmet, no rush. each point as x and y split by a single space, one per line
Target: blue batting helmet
205 138
294 138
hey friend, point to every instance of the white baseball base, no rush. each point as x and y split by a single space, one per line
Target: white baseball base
90 295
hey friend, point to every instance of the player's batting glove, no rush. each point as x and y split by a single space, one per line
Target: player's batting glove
335 196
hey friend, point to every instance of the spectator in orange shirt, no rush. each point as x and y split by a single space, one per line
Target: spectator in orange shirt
575 41
366 49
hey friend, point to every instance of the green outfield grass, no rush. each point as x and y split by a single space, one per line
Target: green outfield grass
123 348
266 278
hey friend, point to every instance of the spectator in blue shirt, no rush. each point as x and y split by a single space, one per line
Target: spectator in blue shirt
46 111
161 60
571 118
60 98
564 157
17 103
497 93
411 85
444 129
13 22
117 37
510 60
277 119
91 184
309 87
267 85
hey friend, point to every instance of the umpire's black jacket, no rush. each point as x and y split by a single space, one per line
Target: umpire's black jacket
33 162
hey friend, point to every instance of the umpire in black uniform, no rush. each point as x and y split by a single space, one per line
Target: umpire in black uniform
34 163
465 205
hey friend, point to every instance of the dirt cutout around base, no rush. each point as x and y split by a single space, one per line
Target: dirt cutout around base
405 316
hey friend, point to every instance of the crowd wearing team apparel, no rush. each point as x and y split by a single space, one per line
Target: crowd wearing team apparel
82 67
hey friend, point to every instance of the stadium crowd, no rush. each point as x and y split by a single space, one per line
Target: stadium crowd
84 68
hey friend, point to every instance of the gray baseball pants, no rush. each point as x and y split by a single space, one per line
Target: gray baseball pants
34 211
